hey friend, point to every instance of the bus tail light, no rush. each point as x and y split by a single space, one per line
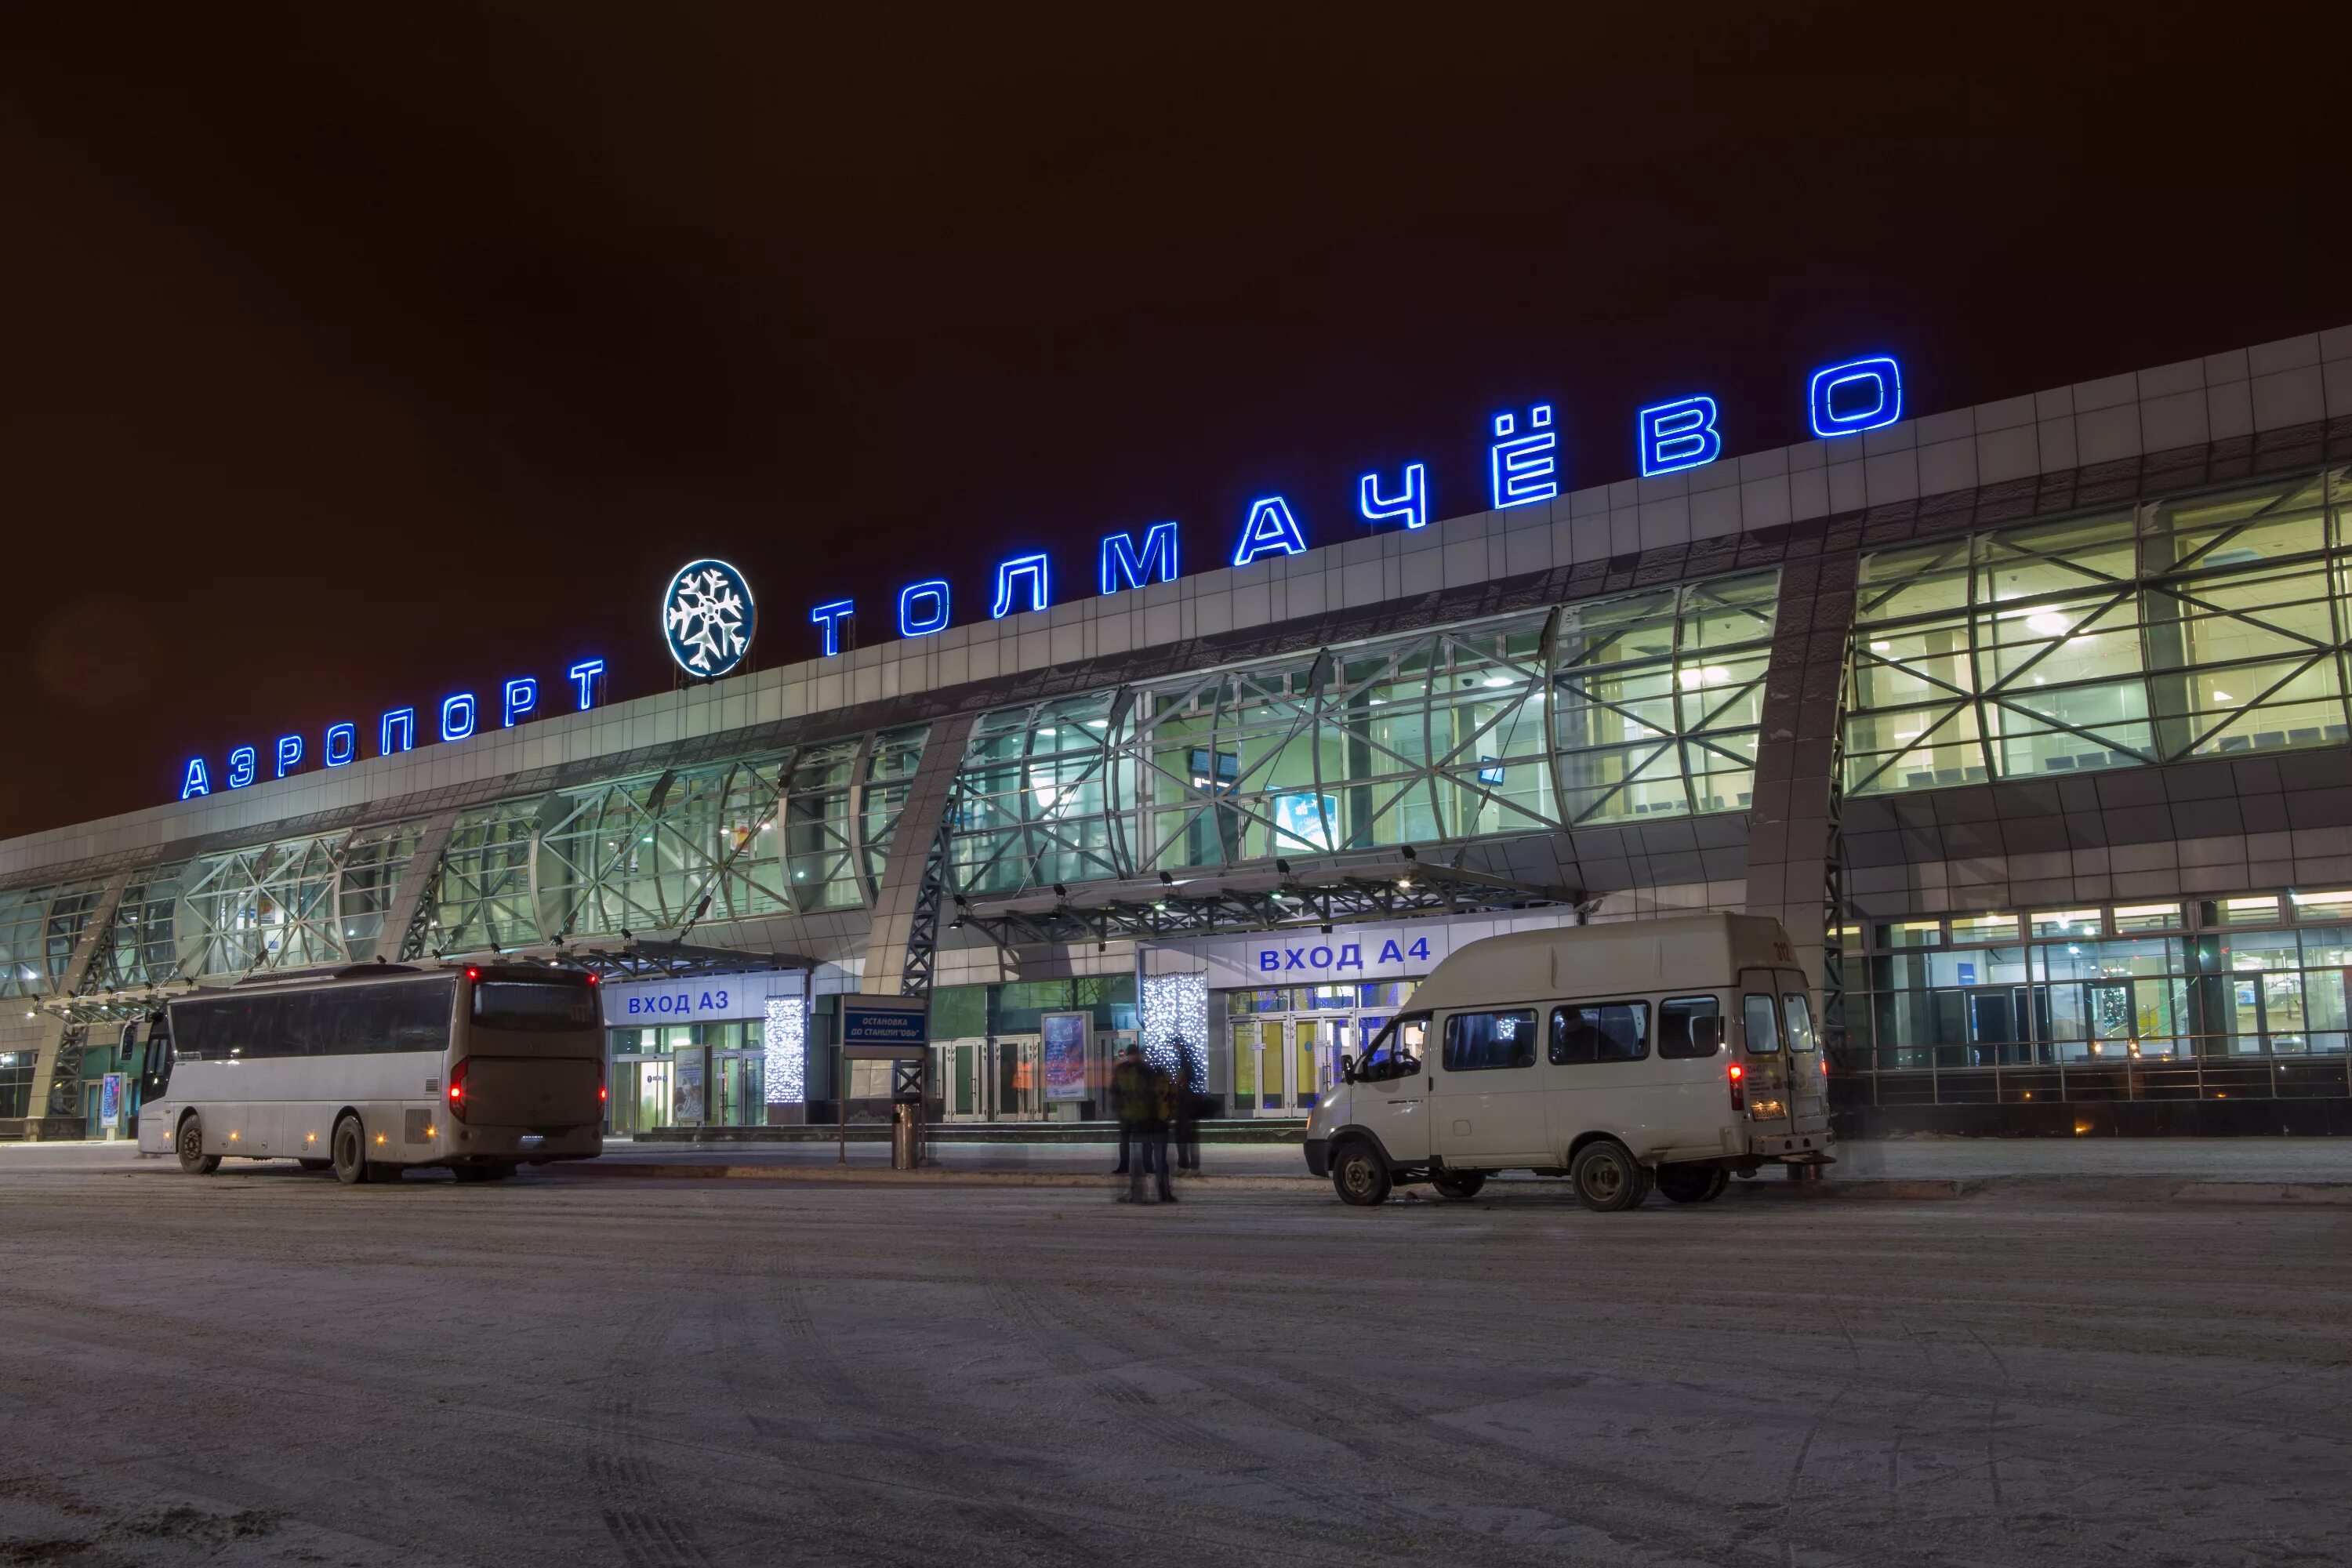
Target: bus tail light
457 1088
600 1075
1738 1089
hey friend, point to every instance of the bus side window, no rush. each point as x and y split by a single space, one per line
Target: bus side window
1689 1028
1763 1021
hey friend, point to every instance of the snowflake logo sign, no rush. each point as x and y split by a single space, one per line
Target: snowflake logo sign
707 617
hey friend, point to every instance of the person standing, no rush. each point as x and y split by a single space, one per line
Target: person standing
1133 1100
1165 1098
1188 1112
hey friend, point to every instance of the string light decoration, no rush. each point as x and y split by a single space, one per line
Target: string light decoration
785 1035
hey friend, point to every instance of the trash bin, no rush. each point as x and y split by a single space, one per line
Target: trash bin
906 1137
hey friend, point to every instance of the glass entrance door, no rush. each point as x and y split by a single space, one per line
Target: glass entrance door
640 1094
738 1082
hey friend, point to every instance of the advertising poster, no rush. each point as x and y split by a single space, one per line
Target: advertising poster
1063 1048
109 1101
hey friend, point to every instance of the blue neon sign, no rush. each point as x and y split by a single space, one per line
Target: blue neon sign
1525 468
458 716
1860 395
829 617
1677 435
933 617
1125 566
1409 506
1270 530
342 744
1031 568
289 753
522 698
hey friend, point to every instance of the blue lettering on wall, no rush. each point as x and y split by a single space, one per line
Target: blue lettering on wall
1677 435
1525 468
1409 506
1029 568
827 620
923 608
1125 566
289 753
194 782
588 673
1269 531
1860 395
458 716
402 719
343 744
522 697
242 767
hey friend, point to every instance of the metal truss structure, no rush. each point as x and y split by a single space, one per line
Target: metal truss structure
1280 899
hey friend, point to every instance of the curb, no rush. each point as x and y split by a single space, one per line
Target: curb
2321 1193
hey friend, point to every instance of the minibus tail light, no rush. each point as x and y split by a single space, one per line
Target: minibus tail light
457 1088
1738 1089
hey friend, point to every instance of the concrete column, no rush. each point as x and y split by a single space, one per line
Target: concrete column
910 846
1789 826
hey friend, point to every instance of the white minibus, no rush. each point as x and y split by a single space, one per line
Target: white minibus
376 1068
1672 1052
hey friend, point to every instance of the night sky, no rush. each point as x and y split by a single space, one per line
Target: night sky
354 356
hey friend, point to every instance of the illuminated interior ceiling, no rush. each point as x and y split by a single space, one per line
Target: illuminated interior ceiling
1283 896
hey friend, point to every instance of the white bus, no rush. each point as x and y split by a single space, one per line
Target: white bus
376 1068
1672 1052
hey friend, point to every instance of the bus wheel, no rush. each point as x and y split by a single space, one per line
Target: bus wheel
1692 1184
1608 1178
1360 1174
193 1158
1458 1185
351 1151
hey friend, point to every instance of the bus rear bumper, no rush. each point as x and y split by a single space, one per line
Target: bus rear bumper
508 1145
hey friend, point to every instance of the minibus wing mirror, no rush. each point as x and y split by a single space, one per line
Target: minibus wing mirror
1346 1069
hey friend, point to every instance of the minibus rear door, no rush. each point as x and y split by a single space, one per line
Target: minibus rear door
1763 1054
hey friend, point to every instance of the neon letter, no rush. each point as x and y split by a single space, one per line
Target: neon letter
195 781
242 765
1411 507
458 716
1011 572
343 744
1526 469
289 753
830 617
935 620
522 697
1860 395
1270 531
405 720
1124 566
586 675
1677 435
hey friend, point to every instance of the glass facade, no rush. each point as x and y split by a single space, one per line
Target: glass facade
285 905
39 930
2180 628
2227 996
1608 710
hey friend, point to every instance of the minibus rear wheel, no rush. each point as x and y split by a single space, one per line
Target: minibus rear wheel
1608 1178
1359 1175
1692 1184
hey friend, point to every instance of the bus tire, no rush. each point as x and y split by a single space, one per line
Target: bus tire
349 1146
1359 1175
1459 1186
1693 1183
191 1146
1608 1178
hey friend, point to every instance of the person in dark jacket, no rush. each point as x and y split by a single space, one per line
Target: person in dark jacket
1134 1099
1188 1112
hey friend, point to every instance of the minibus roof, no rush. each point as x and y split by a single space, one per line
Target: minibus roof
1628 958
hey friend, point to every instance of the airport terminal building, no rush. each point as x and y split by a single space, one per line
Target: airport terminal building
2030 721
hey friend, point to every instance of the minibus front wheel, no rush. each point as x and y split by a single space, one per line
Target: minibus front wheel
1359 1174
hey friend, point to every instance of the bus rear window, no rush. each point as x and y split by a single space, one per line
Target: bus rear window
533 1004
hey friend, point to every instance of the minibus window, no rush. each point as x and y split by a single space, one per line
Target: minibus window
1800 1022
1477 1041
1763 1026
1600 1032
1397 1052
1689 1028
